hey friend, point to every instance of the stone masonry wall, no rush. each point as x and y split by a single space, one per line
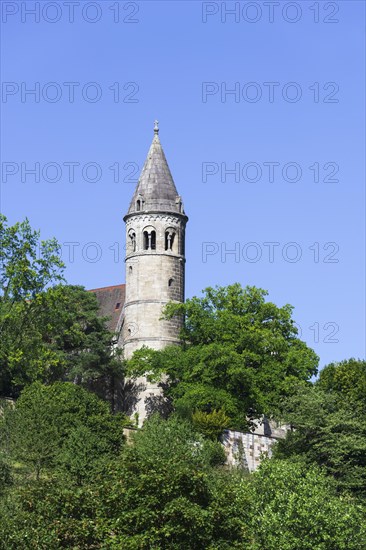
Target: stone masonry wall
249 448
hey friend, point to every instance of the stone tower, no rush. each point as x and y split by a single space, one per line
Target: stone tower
155 261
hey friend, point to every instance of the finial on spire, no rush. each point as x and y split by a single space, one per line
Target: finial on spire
156 126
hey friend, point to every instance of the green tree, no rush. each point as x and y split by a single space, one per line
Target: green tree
84 454
210 424
295 507
27 266
42 428
48 331
328 430
5 474
51 514
239 354
66 340
347 379
162 492
166 481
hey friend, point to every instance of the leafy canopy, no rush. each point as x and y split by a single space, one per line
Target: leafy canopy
329 421
166 491
295 507
27 264
60 425
239 354
49 331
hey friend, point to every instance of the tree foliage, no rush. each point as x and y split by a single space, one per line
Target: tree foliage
165 491
210 424
347 379
49 331
49 423
64 338
27 264
160 493
239 353
329 421
295 507
67 480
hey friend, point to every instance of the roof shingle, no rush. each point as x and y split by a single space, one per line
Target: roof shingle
111 300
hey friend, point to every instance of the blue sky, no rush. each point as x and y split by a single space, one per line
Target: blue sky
291 133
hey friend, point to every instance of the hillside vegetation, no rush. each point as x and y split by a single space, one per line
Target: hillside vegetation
69 478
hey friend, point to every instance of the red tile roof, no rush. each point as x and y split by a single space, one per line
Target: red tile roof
111 300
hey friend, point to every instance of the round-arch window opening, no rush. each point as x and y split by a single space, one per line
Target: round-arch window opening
169 239
149 240
132 236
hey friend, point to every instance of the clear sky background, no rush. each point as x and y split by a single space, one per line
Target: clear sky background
158 56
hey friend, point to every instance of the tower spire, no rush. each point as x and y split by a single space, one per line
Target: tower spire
155 190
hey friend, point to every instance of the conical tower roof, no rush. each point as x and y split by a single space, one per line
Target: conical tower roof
156 191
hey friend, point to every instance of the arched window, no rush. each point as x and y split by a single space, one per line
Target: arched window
132 241
171 281
153 240
169 239
149 239
139 203
130 270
